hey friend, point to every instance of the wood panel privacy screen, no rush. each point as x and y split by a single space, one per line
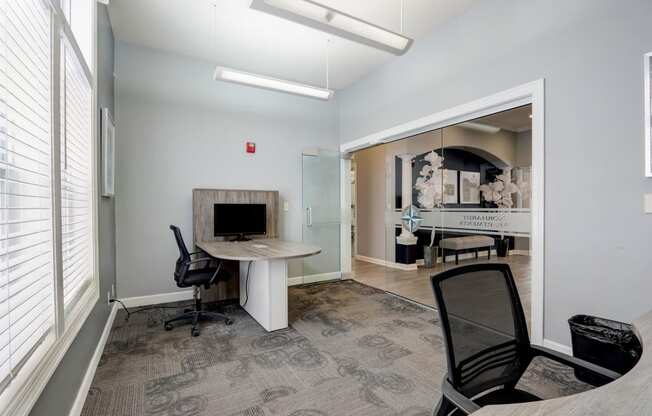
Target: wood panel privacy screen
204 199
203 228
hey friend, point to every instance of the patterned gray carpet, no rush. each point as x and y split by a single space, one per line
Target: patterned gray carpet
351 350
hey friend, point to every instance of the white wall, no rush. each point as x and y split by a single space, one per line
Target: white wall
590 53
177 129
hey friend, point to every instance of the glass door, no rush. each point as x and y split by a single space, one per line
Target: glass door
321 213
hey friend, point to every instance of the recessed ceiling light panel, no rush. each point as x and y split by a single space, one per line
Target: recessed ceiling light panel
485 128
325 19
275 84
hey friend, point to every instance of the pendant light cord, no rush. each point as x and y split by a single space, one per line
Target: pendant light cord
215 28
328 44
402 8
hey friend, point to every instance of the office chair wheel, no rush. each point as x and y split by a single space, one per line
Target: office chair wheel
194 332
228 321
168 327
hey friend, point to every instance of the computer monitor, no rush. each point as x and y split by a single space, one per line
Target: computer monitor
239 220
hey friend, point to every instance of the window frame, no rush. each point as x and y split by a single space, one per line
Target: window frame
19 397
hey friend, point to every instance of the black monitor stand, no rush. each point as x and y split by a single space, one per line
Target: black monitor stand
240 237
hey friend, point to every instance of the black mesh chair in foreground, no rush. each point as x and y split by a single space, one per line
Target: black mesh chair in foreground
486 339
186 275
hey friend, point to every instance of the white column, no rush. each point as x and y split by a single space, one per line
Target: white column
266 292
406 237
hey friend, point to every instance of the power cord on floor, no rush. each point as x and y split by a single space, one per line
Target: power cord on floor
123 307
145 308
247 285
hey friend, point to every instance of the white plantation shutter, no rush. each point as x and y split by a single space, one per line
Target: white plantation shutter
76 177
26 251
45 89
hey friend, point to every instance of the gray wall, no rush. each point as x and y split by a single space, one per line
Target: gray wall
590 53
61 391
179 130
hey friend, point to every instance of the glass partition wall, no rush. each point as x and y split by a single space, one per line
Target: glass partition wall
369 199
458 194
415 178
322 213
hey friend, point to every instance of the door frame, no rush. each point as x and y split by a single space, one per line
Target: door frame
529 93
316 277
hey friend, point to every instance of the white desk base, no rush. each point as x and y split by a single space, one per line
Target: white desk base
267 292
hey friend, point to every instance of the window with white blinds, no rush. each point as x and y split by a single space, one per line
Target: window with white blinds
47 245
26 248
76 177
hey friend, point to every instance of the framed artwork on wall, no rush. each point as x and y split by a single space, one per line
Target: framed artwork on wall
108 154
469 187
450 193
648 114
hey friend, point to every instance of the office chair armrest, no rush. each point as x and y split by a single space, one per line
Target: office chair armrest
573 362
460 401
217 272
200 260
206 260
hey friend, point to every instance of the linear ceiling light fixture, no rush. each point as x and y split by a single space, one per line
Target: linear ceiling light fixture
325 19
485 128
262 81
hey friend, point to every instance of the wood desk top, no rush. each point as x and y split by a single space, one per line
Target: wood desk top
255 250
631 394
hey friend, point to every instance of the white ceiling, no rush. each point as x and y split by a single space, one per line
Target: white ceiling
253 41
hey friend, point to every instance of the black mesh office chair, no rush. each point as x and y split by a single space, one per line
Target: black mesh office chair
186 276
486 339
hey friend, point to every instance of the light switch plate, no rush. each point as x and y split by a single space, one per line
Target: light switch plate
647 203
286 206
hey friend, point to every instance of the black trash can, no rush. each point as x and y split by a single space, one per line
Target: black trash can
609 344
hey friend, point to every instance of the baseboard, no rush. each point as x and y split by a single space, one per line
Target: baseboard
78 404
157 299
314 278
187 294
293 281
322 277
390 264
564 349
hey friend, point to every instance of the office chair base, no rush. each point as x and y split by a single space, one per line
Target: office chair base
443 408
196 317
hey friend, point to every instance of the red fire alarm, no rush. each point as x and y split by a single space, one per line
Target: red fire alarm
251 147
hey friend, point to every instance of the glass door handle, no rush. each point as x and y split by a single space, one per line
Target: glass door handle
309 216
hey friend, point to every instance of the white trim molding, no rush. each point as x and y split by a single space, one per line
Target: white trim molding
157 298
530 93
182 295
564 349
386 263
82 393
647 112
314 278
514 97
